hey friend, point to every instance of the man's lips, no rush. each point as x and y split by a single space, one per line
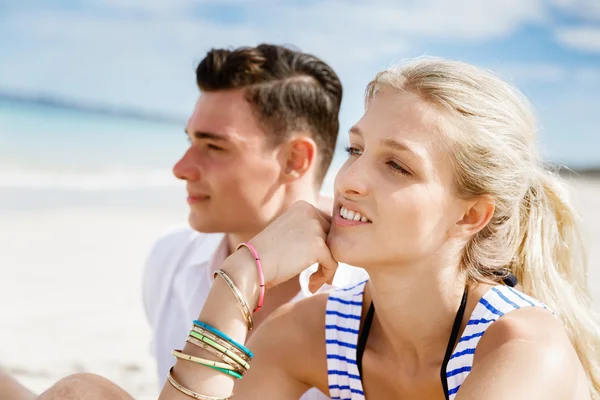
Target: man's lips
195 198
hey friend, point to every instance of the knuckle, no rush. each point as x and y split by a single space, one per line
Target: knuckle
319 244
315 225
302 204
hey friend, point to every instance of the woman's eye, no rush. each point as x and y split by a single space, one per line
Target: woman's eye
398 168
353 151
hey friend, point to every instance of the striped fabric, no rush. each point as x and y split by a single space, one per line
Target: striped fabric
342 323
495 303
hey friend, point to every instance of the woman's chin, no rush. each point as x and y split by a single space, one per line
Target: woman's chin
342 251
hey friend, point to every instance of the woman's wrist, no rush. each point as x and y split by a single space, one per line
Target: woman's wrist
241 267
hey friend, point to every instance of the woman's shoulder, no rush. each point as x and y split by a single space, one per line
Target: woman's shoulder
293 339
304 319
305 315
525 349
518 318
536 325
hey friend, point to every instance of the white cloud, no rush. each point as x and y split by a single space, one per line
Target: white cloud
464 19
582 38
143 52
587 76
441 19
531 72
525 73
586 9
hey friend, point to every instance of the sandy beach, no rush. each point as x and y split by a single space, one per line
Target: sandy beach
70 287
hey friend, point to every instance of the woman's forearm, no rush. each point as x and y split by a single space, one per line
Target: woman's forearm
221 311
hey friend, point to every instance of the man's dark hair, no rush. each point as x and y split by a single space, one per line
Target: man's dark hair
287 89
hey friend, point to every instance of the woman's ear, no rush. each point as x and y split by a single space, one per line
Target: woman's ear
476 216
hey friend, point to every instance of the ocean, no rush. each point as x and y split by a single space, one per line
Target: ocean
54 156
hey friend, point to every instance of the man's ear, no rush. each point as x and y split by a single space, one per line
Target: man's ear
300 153
477 214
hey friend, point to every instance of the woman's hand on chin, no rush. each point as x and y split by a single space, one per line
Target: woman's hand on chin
291 243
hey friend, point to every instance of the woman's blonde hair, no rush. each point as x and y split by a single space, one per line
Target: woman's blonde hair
533 232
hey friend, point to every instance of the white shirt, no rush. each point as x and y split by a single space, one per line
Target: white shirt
177 278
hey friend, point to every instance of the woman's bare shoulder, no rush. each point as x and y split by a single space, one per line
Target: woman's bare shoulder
300 321
527 352
293 339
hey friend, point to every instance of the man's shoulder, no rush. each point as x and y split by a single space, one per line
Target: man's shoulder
175 249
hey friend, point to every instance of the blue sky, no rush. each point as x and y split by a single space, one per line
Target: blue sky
142 53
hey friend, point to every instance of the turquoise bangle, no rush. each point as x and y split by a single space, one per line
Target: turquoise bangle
220 348
225 337
229 372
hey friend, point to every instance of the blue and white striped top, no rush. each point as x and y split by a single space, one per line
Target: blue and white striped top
342 323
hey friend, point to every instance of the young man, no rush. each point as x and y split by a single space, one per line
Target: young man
262 136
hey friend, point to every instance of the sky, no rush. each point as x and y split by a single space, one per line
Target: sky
142 53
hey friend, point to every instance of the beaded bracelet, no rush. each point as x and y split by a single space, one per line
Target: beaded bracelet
238 295
189 392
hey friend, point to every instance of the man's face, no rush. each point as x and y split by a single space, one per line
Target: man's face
232 173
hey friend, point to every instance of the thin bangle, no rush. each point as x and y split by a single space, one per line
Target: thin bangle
259 269
217 366
224 336
222 349
191 393
202 361
238 295
222 342
233 363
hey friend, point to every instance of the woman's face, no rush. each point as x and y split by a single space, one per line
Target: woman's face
399 177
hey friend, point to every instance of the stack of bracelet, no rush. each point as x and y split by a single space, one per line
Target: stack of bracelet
235 356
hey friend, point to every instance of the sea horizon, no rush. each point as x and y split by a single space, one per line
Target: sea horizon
73 151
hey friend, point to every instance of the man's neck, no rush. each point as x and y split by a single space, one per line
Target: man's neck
312 197
285 292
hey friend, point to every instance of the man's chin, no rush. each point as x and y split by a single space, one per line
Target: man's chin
203 225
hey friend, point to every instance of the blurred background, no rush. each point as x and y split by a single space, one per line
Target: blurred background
94 97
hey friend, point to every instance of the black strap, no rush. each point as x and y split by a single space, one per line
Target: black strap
362 339
452 341
509 280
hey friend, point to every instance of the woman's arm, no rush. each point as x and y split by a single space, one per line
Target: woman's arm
525 355
290 353
222 311
289 347
290 244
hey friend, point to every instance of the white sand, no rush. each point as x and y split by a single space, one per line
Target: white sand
70 297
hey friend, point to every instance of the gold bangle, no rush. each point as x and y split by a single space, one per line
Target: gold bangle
202 361
238 295
234 364
191 393
221 341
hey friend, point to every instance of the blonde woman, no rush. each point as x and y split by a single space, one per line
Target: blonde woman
443 195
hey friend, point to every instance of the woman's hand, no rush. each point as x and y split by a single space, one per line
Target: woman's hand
293 242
